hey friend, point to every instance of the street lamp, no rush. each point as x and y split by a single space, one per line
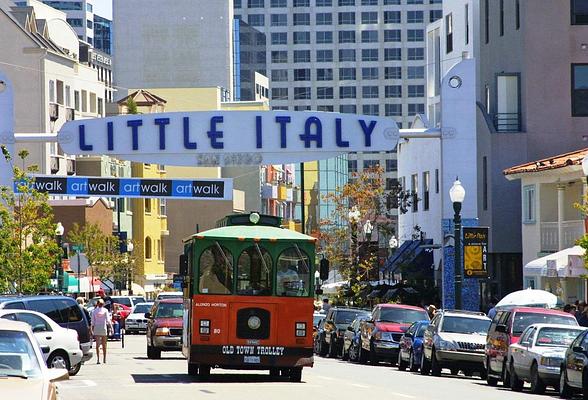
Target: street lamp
130 248
59 229
367 232
457 196
354 218
317 283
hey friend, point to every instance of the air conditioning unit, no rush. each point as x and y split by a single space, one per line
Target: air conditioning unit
53 112
70 114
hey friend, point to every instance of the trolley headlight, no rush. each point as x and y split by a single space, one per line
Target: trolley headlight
163 331
300 329
205 327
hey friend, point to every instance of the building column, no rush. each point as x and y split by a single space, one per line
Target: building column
561 191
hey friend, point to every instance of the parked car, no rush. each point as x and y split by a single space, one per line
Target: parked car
317 317
61 309
352 338
170 295
129 301
164 327
506 328
24 374
411 346
455 340
538 355
63 346
574 368
336 323
136 320
380 335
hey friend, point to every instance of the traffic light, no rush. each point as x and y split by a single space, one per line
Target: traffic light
324 269
122 242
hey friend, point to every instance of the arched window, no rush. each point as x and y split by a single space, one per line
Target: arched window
293 273
148 251
216 271
254 272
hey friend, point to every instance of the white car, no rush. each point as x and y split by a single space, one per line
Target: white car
136 320
539 354
61 348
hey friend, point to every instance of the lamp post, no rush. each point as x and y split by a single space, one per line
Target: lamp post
59 239
130 248
457 196
354 216
317 283
367 232
393 244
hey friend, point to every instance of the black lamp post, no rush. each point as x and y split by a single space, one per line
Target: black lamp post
457 196
130 248
354 218
58 270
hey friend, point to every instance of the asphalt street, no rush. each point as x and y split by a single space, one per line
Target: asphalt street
129 375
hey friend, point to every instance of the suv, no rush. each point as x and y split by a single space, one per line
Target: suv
61 309
334 327
380 335
455 339
164 327
506 328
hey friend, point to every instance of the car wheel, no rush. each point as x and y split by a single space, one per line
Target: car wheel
373 356
565 391
75 369
537 385
424 364
352 353
435 366
192 369
505 375
412 365
152 353
58 360
401 364
516 384
204 372
363 357
490 380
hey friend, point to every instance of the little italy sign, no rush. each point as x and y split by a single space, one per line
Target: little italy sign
225 138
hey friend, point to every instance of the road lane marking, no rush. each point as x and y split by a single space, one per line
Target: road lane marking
406 396
361 386
77 384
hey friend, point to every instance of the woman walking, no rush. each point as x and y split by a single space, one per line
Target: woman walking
101 322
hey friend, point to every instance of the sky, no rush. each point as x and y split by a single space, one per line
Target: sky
104 8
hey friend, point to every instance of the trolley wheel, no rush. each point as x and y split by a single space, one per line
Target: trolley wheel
204 371
192 369
296 374
274 372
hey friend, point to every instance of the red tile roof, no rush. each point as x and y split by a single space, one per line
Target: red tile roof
559 161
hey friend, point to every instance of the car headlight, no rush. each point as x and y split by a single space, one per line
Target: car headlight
551 361
163 331
447 345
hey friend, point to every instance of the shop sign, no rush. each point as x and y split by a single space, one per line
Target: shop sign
475 250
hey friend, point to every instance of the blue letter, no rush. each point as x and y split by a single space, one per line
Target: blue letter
162 122
308 136
213 134
283 121
135 124
367 131
339 134
187 144
110 136
258 138
83 145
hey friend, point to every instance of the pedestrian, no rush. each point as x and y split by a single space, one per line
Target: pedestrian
580 309
80 301
326 306
431 310
583 319
101 324
107 300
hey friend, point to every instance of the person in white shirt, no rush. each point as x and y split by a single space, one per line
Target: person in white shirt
101 322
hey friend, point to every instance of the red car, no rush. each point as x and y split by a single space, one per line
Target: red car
506 328
164 327
380 336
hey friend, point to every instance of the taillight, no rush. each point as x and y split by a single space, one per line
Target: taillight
205 327
300 329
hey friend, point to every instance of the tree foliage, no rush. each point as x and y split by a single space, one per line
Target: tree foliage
28 249
583 241
132 106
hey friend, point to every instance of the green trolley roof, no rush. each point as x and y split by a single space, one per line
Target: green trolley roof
240 232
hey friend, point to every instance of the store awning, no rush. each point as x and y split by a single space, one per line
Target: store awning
565 263
392 260
414 253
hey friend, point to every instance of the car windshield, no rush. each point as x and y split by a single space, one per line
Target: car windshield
141 308
556 337
523 319
17 355
465 325
401 315
316 319
137 300
125 301
172 295
347 316
169 310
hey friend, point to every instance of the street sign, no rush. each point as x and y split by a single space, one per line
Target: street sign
475 250
78 248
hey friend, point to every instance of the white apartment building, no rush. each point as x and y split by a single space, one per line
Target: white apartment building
51 86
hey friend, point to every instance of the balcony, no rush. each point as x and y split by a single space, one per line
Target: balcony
572 231
70 114
282 192
507 122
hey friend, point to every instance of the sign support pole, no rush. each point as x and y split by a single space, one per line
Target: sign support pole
6 129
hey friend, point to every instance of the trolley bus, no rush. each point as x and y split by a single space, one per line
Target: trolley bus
248 297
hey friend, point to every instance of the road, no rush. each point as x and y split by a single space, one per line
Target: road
130 375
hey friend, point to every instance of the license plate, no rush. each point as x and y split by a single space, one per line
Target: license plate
389 345
251 359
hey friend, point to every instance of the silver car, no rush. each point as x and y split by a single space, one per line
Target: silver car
538 355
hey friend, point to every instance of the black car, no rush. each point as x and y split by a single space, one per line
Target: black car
574 371
352 338
61 309
336 323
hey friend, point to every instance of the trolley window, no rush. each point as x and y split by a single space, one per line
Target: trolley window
254 272
293 273
216 270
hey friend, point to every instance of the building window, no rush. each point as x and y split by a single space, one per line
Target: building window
370 73
302 74
371 109
369 55
279 38
77 100
369 2
324 93
301 56
278 3
325 108
484 183
279 57
255 4
392 17
343 3
324 19
148 249
518 14
369 17
301 108
236 3
501 17
347 55
414 1
415 17
434 15
52 91
487 98
324 74
414 187
392 73
324 37
416 53
415 72
346 18
391 165
580 90
414 109
391 2
301 3
416 90
347 92
486 21
368 164
467 23
324 55
346 36
347 74
426 185
301 93
256 20
436 181
89 24
392 54
163 207
449 33
279 75
369 92
393 91
348 109
352 166
324 3
391 183
301 37
147 203
392 35
369 36
279 93
279 19
75 22
301 19
529 204
415 35
393 110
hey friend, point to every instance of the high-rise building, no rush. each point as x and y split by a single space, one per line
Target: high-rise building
250 81
102 34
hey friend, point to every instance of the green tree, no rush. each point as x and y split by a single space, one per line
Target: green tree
132 106
28 249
